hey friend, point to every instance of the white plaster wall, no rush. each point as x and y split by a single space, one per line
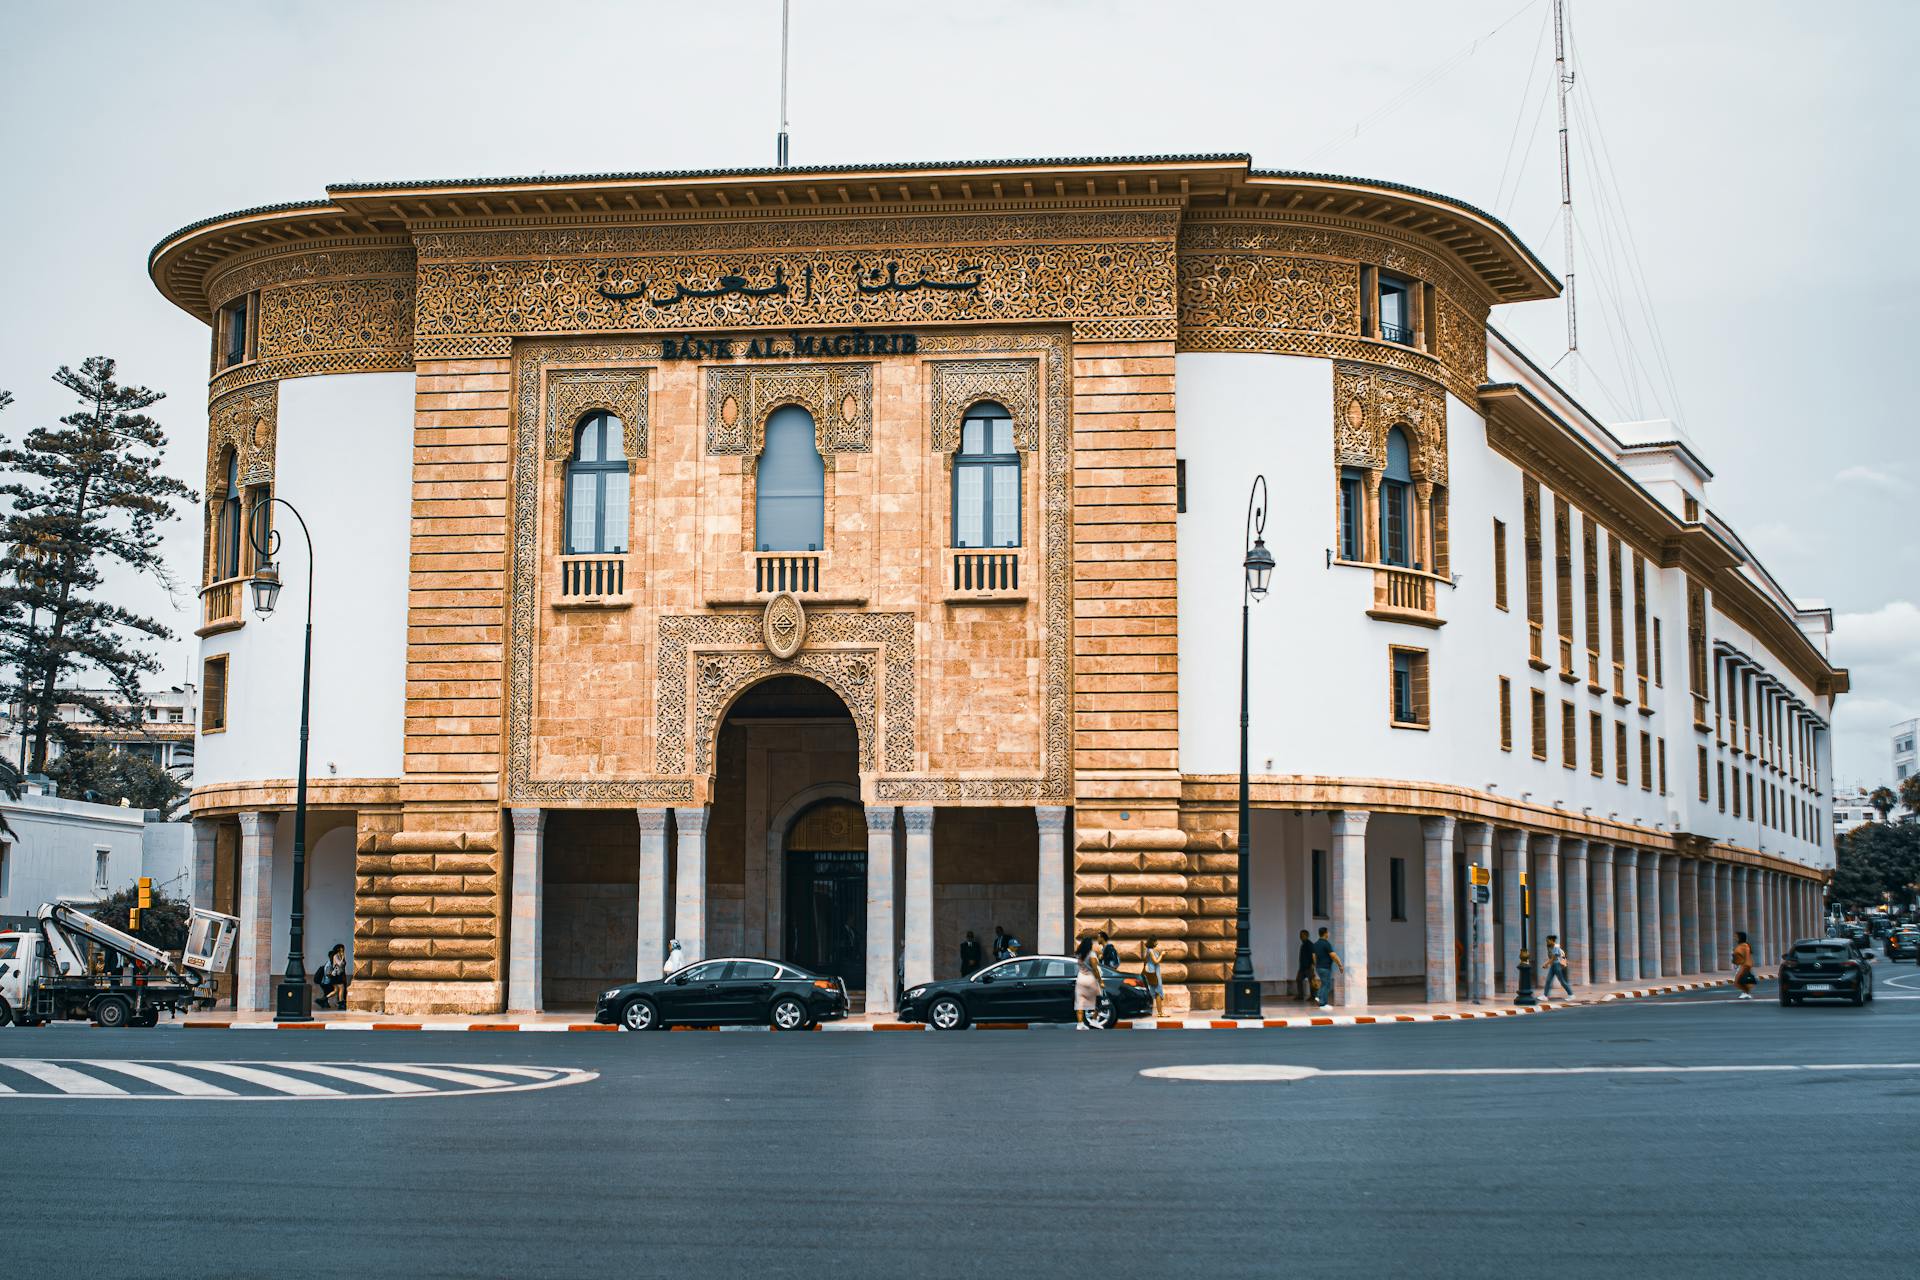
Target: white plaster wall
345 459
52 853
328 901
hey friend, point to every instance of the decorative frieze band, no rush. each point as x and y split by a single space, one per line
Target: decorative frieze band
574 393
958 385
839 397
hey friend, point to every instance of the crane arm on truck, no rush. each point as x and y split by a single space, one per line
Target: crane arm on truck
58 921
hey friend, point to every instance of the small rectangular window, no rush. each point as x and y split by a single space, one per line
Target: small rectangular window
1352 505
1720 782
1646 761
1660 746
1180 486
1706 788
1620 754
1397 887
101 853
1539 724
1691 506
1659 659
1739 808
1499 564
1569 737
213 694
233 332
1597 743
1506 714
1319 884
1396 310
1409 691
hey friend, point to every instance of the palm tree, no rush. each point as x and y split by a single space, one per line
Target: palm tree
1883 800
1910 793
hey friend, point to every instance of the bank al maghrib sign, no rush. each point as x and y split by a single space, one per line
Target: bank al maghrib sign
792 346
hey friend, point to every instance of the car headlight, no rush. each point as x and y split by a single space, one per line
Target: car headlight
608 995
916 993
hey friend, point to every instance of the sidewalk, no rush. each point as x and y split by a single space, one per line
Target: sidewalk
1278 1013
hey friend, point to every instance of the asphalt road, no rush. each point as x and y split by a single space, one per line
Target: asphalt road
988 1154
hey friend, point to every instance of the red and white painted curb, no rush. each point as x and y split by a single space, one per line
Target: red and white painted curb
1145 1024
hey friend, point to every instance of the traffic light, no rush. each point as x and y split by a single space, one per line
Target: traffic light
146 891
133 920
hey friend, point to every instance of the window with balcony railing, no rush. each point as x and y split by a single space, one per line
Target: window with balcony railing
1396 310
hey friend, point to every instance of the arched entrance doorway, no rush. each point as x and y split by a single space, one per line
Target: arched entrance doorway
786 848
826 892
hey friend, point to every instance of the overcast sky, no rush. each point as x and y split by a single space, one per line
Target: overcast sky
1759 156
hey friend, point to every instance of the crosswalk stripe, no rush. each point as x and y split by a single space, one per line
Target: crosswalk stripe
441 1073
172 1081
531 1073
369 1079
270 1080
65 1079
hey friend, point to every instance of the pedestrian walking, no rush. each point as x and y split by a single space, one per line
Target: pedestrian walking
675 957
969 954
1556 966
1303 969
1151 971
1109 954
1743 966
1086 984
1325 961
333 977
1002 944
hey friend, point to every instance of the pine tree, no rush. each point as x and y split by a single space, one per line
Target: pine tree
85 495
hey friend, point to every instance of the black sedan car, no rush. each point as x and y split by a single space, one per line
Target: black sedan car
1904 944
1023 989
732 989
1826 969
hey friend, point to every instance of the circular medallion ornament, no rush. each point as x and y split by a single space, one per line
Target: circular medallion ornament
784 626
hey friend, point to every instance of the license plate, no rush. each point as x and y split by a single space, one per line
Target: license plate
1819 986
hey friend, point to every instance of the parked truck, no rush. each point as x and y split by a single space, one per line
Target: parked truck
74 966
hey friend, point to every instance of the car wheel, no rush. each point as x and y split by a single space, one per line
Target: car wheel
6 1012
947 1014
1785 999
1100 1017
1859 996
112 1012
788 1014
638 1014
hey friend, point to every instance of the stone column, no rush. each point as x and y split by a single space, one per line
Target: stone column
690 882
206 845
650 939
1742 905
1577 939
1669 916
1513 861
1546 901
1441 967
881 955
1480 949
1649 914
1603 965
524 936
1626 896
1349 857
1689 915
1052 821
1709 919
918 942
1723 908
253 961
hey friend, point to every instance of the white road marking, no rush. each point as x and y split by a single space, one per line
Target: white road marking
292 1086
371 1079
1263 1072
173 1081
442 1073
65 1079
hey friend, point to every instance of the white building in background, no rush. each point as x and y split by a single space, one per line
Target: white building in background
1851 809
59 850
1905 761
161 728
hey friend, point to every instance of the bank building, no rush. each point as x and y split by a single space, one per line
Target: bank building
824 563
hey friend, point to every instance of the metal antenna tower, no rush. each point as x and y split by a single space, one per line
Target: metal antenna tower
1566 184
781 154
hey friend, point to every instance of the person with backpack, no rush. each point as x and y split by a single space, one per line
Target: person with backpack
1109 954
332 978
1556 966
1743 966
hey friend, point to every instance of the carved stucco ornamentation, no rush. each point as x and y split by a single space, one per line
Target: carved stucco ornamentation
319 313
574 393
839 397
958 385
246 421
275 267
1368 401
865 658
784 625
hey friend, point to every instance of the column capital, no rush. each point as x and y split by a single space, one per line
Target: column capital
256 822
1051 818
1437 826
1573 847
527 822
205 831
1512 840
1545 841
919 817
652 818
879 819
691 819
1625 855
1350 821
1599 853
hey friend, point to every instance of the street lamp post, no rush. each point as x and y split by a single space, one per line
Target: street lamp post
293 997
1523 995
1243 989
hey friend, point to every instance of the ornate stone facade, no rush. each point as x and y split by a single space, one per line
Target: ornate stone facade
838 396
1369 401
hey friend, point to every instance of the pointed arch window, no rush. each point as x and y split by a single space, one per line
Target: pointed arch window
790 489
986 480
226 546
596 515
1396 503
